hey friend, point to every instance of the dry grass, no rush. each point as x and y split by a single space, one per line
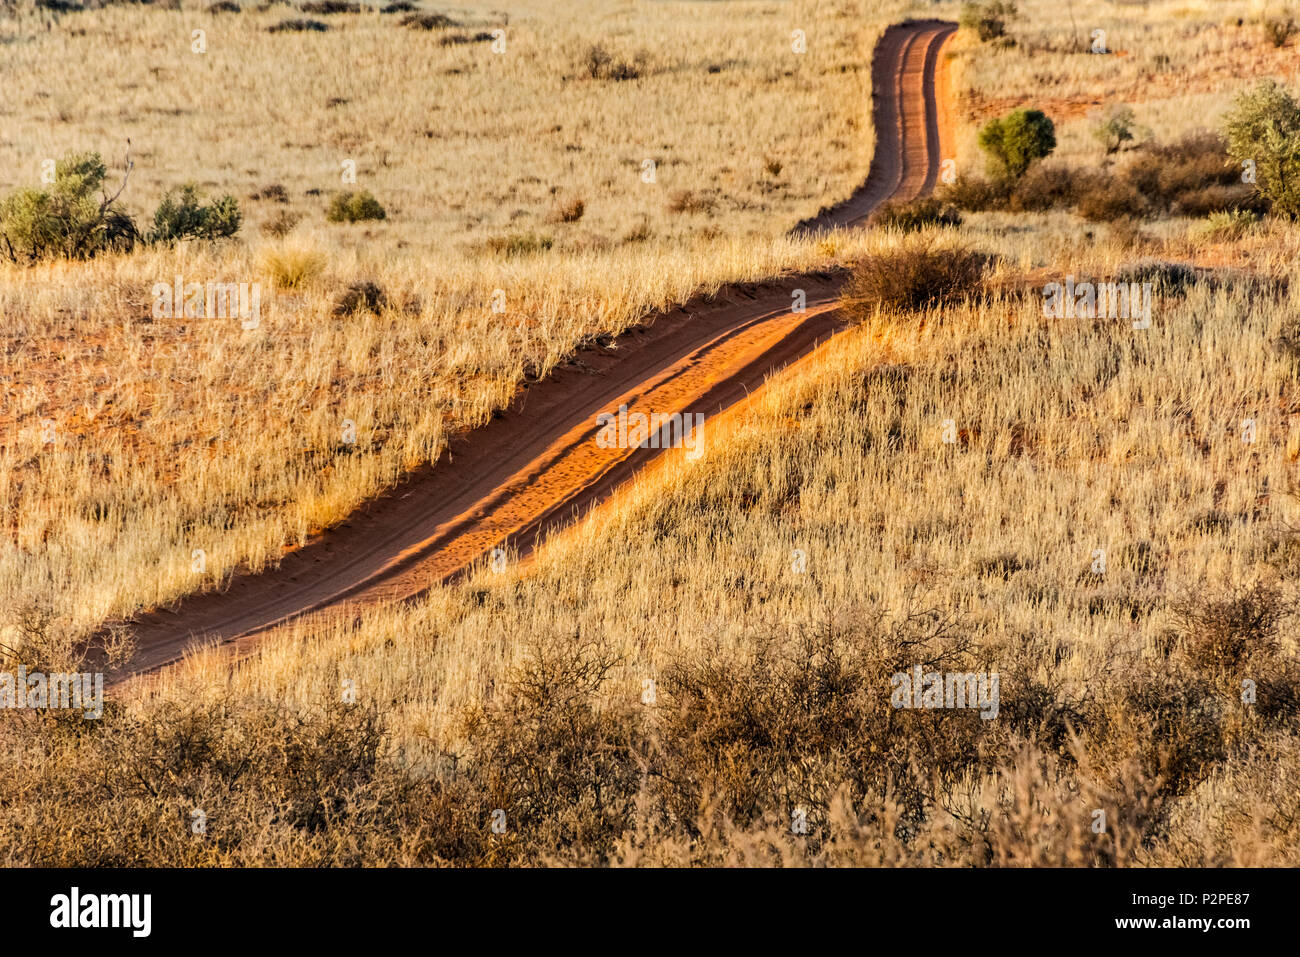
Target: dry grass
1120 690
173 435
829 537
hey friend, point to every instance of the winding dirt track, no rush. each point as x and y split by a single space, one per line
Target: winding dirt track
537 466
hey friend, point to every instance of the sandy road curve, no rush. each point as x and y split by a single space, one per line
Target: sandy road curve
537 466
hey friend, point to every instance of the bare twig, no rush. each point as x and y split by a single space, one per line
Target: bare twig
130 164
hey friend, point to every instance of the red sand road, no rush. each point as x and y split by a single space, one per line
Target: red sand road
537 466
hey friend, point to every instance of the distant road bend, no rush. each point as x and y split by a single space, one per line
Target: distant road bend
536 466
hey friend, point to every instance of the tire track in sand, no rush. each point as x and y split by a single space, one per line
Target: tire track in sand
536 466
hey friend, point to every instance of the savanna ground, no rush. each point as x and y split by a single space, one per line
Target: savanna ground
830 537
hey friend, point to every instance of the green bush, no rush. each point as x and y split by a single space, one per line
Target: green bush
1264 128
350 207
1115 129
182 214
1017 139
67 220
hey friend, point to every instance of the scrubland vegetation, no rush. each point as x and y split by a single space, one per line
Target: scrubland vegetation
708 657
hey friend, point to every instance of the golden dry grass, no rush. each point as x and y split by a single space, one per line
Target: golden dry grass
1073 435
177 435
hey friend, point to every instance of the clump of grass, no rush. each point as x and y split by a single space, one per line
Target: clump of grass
638 233
988 20
1171 277
292 265
456 39
401 6
298 25
915 215
275 193
224 6
600 64
690 202
359 297
569 211
353 207
915 274
325 7
1279 29
428 21
281 224
519 244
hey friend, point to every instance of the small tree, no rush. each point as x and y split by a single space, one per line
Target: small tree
1016 140
1263 133
1115 129
67 219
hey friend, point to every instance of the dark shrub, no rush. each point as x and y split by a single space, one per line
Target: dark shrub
298 26
1046 187
975 194
1279 29
1217 199
1105 199
1164 173
689 201
601 65
917 214
329 6
988 20
569 212
224 6
275 193
182 214
281 224
363 296
428 21
1163 275
915 274
456 39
